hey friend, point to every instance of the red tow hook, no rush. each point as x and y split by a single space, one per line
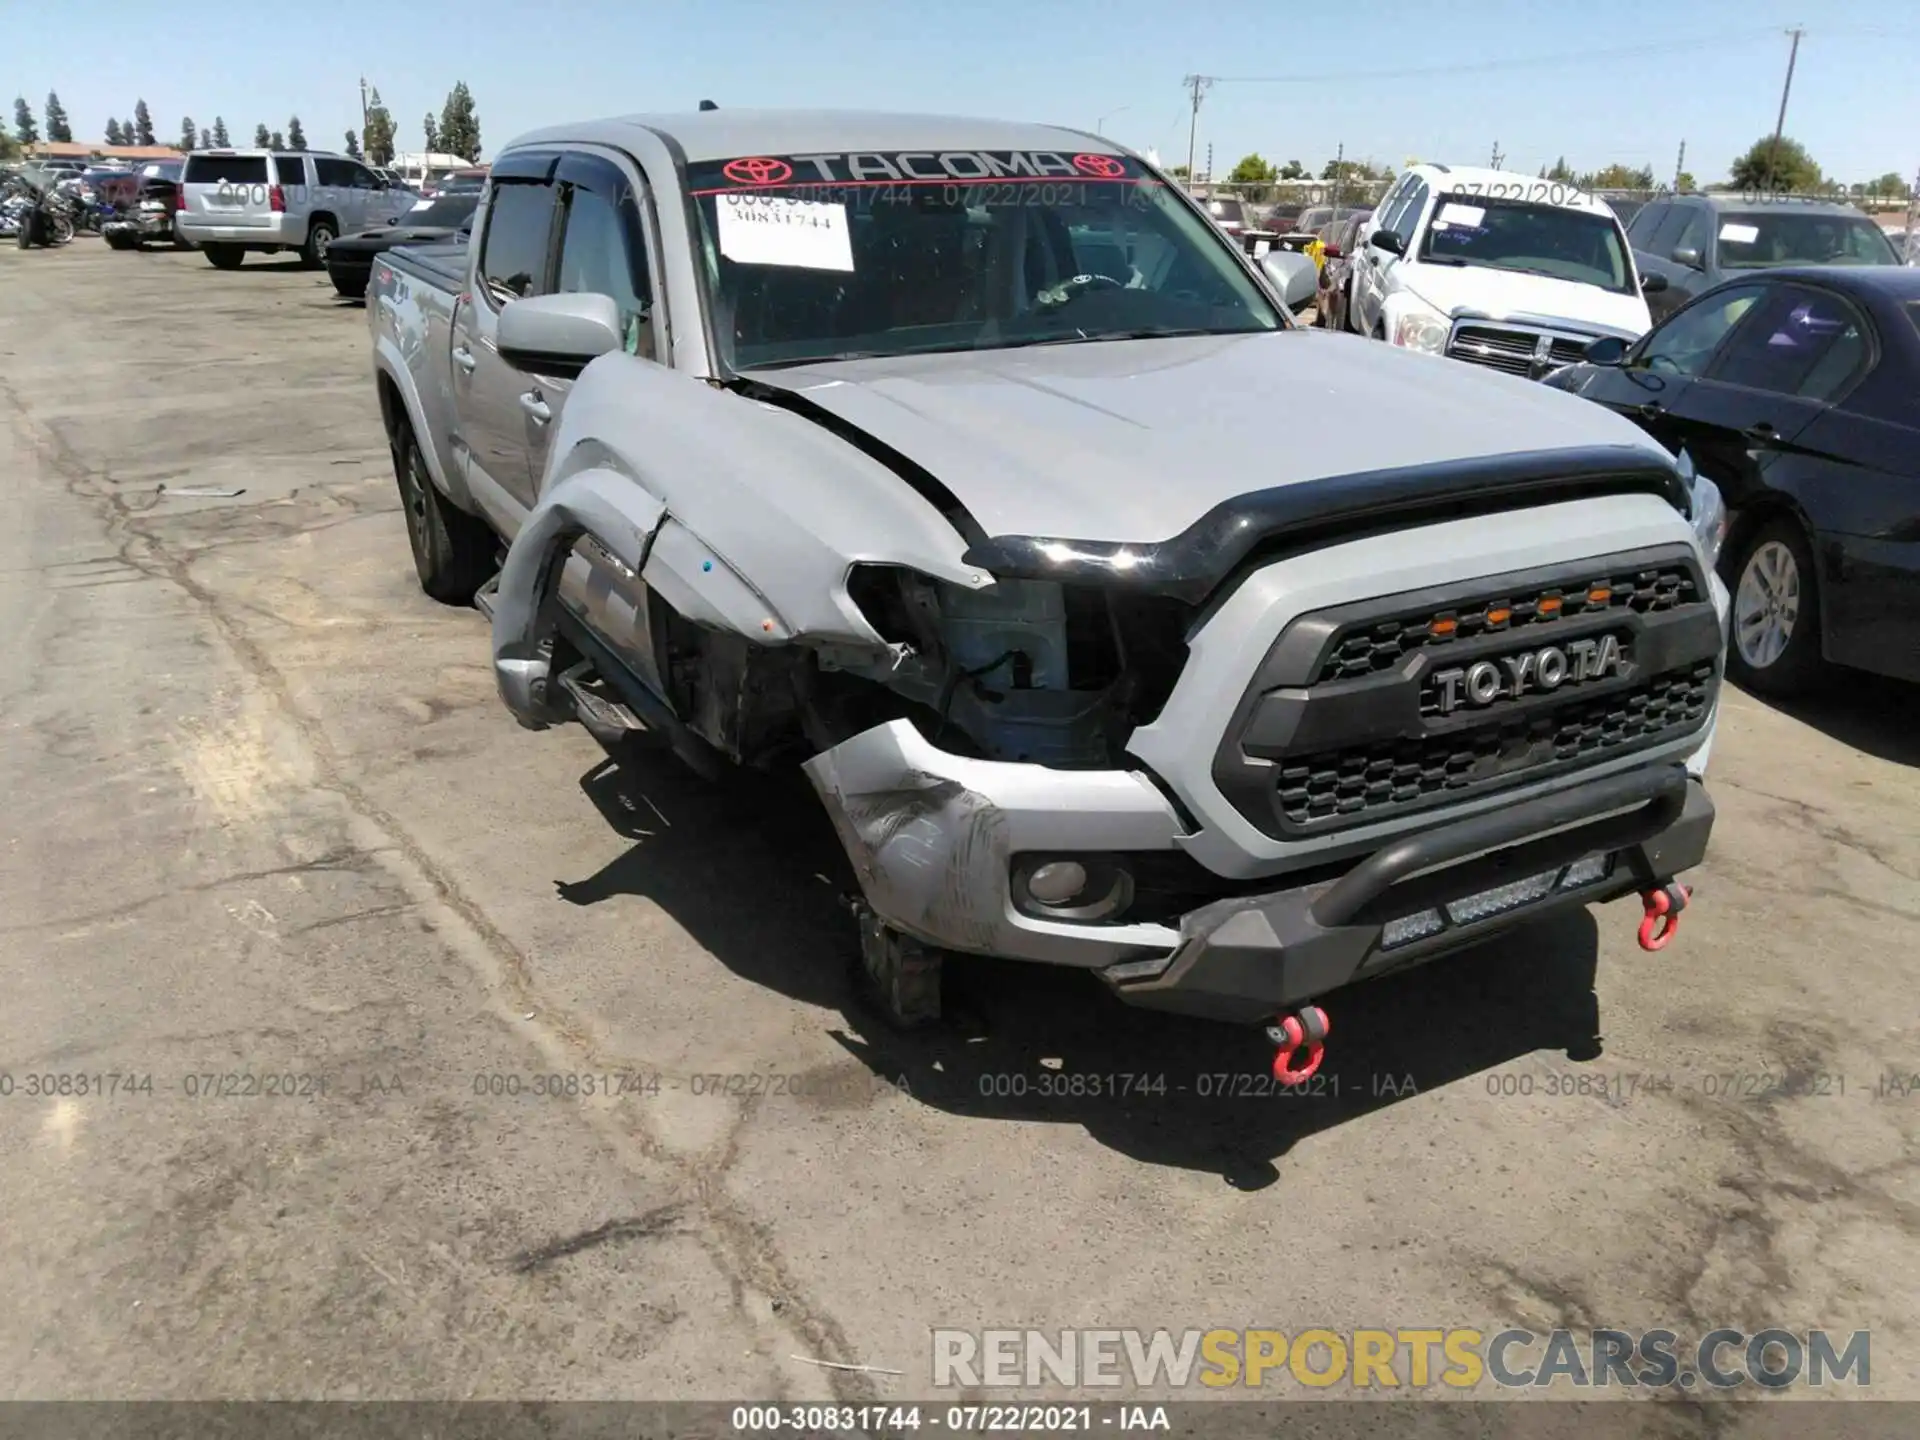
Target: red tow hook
1662 919
1305 1031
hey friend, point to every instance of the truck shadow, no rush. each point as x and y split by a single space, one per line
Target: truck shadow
1870 713
752 871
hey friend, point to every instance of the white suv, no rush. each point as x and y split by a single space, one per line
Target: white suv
241 200
1499 269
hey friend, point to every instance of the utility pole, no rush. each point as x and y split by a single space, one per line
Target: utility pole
363 114
1773 151
1209 162
1339 171
1679 167
1493 161
1912 247
1198 84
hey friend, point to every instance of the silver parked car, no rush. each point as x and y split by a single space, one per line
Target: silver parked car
265 201
878 443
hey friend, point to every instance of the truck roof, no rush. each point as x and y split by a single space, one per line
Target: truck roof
1513 184
723 134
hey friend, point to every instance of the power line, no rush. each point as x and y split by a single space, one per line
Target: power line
1586 57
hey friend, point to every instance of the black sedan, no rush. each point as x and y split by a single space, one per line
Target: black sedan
350 259
1797 392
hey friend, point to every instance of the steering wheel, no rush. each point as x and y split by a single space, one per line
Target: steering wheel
1060 294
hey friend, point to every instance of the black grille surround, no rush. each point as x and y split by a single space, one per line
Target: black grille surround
1358 714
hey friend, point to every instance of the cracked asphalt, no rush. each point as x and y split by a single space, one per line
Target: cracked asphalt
290 909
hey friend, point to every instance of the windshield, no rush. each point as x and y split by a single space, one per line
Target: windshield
830 257
446 210
1758 239
1534 239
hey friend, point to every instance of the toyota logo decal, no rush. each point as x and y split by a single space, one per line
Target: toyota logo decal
757 170
1105 167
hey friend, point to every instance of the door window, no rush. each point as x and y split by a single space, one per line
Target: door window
1646 224
513 256
292 169
334 172
1686 344
1694 234
603 252
1666 239
1806 343
1408 220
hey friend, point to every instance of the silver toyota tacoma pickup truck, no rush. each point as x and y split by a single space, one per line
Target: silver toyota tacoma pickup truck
874 443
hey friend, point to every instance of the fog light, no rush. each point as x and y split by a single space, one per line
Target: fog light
1501 899
1087 889
1057 882
1410 928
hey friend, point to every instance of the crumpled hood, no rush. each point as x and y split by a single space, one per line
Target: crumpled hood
1134 440
1456 290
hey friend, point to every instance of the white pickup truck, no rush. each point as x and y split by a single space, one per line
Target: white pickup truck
1508 271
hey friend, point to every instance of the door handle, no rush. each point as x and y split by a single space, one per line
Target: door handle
1652 410
1763 432
463 357
536 407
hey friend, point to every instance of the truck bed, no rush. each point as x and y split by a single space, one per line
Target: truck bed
442 264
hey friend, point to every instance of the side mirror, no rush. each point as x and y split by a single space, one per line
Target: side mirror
558 334
1652 284
1388 241
1607 350
1688 256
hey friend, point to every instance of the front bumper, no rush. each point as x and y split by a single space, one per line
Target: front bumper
935 838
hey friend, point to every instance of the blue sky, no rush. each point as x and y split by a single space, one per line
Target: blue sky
1708 72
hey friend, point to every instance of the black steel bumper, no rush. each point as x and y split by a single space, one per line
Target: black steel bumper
1252 957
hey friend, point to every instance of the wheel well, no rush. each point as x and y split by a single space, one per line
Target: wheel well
393 410
1756 513
326 215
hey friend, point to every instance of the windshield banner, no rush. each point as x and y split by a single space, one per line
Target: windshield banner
911 167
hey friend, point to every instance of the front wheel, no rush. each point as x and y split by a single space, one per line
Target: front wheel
224 257
1775 647
452 550
62 230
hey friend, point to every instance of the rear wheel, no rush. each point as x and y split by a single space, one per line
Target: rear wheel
320 235
1775 647
452 550
223 257
351 287
120 241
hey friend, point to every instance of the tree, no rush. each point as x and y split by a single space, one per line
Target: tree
9 147
1763 167
1293 170
296 137
206 139
220 138
1684 182
433 136
126 133
114 136
1890 186
187 133
353 146
277 141
460 123
58 126
1347 171
1561 171
1252 170
142 124
377 137
24 130
261 139
1617 177
1176 172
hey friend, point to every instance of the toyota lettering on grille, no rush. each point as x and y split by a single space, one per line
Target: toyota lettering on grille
1511 676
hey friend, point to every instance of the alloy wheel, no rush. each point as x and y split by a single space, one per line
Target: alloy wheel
1766 604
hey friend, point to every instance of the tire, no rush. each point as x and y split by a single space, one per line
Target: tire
355 289
320 234
62 230
452 551
23 237
118 241
223 257
1774 648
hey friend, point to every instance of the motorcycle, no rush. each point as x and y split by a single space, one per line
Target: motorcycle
36 216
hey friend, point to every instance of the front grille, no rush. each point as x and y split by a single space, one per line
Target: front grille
1513 349
1351 782
1366 711
1363 649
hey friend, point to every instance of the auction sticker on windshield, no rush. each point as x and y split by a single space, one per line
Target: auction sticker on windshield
1740 234
1462 214
779 230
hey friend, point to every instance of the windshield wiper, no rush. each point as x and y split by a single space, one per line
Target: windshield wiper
1082 337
